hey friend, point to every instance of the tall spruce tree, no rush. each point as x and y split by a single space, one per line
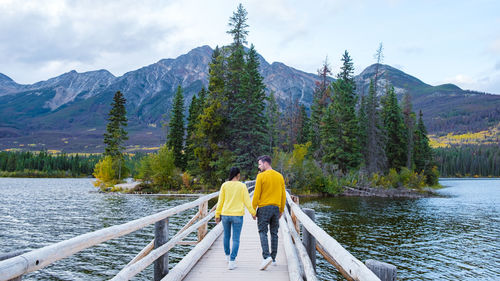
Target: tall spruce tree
340 125
409 120
422 153
115 134
321 99
395 147
195 110
376 160
305 126
210 137
363 127
235 71
290 125
250 124
379 57
175 138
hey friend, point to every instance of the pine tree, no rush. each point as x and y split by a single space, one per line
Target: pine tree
379 57
376 160
210 137
305 126
340 125
321 99
422 153
395 147
409 120
175 138
250 124
238 24
290 125
116 135
363 126
195 110
235 71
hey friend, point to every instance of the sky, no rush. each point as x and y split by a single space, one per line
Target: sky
436 41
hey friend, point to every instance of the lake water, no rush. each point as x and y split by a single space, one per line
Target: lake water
38 212
456 237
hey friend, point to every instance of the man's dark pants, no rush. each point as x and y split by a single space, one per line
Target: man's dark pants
268 219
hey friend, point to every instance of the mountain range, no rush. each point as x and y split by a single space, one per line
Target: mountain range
69 112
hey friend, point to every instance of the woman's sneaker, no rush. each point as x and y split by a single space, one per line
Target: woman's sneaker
274 263
232 265
227 258
265 263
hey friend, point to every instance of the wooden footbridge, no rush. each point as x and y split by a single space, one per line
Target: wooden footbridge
206 261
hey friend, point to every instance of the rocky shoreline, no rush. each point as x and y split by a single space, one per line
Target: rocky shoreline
364 191
389 192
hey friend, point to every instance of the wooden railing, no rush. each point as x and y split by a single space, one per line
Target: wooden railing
21 264
300 265
350 267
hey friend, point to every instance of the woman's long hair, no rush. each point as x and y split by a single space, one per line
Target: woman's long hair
233 172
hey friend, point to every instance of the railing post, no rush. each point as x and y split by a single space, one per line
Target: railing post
295 221
384 271
161 237
308 239
202 230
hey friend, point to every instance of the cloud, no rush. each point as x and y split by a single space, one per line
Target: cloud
462 79
488 83
62 30
36 35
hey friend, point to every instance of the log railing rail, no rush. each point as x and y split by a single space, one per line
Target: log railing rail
350 267
300 267
28 262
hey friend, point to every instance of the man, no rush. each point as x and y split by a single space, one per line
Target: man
269 201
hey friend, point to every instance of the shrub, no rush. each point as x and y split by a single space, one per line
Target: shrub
393 178
404 176
163 168
417 180
432 176
104 173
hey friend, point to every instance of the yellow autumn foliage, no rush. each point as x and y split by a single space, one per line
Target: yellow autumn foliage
490 136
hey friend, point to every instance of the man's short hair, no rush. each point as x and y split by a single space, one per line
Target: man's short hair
265 158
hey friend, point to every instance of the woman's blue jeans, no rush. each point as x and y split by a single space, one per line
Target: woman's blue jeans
236 222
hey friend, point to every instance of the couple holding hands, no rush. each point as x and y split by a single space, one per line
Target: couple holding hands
269 199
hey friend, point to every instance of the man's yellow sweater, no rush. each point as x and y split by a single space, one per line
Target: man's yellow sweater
269 190
233 198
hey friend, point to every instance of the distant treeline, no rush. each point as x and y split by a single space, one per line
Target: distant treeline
44 164
469 161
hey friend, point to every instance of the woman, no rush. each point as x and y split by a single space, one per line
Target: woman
233 197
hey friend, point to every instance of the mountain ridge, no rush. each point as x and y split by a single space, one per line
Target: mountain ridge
75 105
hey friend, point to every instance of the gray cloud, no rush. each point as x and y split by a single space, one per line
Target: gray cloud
31 38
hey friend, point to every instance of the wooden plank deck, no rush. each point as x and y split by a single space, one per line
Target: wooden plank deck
213 265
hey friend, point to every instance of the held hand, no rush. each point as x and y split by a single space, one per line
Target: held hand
254 217
281 214
217 220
